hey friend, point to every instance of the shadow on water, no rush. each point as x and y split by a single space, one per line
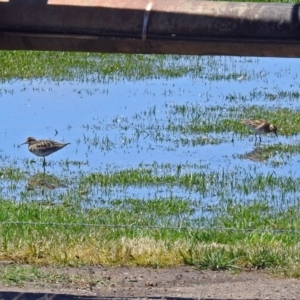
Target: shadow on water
258 154
44 181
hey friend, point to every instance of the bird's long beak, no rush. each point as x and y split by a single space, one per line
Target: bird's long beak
276 134
23 144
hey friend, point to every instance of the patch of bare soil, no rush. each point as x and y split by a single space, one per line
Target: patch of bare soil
129 282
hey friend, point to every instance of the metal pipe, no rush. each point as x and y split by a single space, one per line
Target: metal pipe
151 26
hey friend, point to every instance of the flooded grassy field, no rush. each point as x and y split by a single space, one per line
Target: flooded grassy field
160 171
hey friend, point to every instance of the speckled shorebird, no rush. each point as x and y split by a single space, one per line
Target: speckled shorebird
260 126
43 147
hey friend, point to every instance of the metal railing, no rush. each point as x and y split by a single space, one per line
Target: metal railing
158 27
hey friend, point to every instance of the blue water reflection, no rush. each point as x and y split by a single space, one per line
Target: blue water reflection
122 123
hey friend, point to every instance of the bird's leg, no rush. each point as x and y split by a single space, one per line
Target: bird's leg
44 164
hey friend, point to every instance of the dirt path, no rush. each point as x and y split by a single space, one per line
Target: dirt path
182 282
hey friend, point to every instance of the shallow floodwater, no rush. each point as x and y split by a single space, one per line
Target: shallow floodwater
123 124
